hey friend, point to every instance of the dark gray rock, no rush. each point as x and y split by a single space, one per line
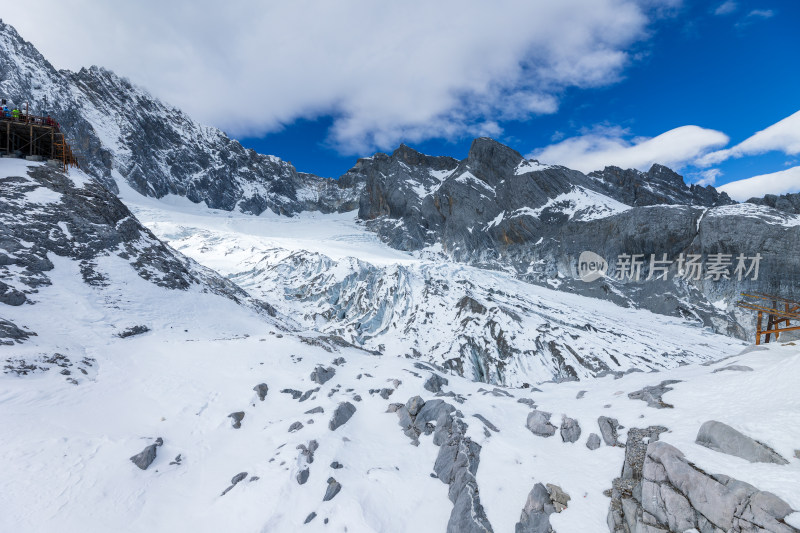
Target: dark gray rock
333 489
343 412
10 334
261 389
580 394
133 331
570 430
315 410
608 429
539 424
302 476
652 395
384 393
593 442
234 481
336 465
236 419
310 517
146 457
527 401
296 426
322 375
435 383
307 394
723 438
293 392
307 452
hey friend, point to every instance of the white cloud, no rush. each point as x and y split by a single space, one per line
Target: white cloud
383 70
761 14
706 177
598 149
783 136
726 8
782 182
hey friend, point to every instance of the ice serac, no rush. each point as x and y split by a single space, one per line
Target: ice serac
121 130
474 322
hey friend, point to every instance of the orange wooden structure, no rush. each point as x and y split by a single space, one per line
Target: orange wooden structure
780 311
31 135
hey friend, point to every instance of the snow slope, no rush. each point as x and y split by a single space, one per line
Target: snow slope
64 454
89 391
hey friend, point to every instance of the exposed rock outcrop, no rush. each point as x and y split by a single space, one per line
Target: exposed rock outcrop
541 503
660 490
343 412
146 457
723 438
456 463
539 424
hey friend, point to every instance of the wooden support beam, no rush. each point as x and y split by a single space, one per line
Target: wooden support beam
758 328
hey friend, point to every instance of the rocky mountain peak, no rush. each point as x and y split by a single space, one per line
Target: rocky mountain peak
490 160
414 158
658 186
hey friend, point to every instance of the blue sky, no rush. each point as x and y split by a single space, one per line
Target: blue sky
733 72
709 88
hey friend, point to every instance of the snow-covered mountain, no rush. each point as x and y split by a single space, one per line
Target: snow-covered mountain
494 209
406 348
122 133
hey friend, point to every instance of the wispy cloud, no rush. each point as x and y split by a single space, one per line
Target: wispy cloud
782 182
761 14
384 71
783 136
755 16
726 8
706 177
596 149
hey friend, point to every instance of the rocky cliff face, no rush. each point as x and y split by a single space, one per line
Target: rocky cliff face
46 214
788 203
498 210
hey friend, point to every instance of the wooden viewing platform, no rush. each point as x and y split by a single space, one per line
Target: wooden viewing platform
35 137
776 317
